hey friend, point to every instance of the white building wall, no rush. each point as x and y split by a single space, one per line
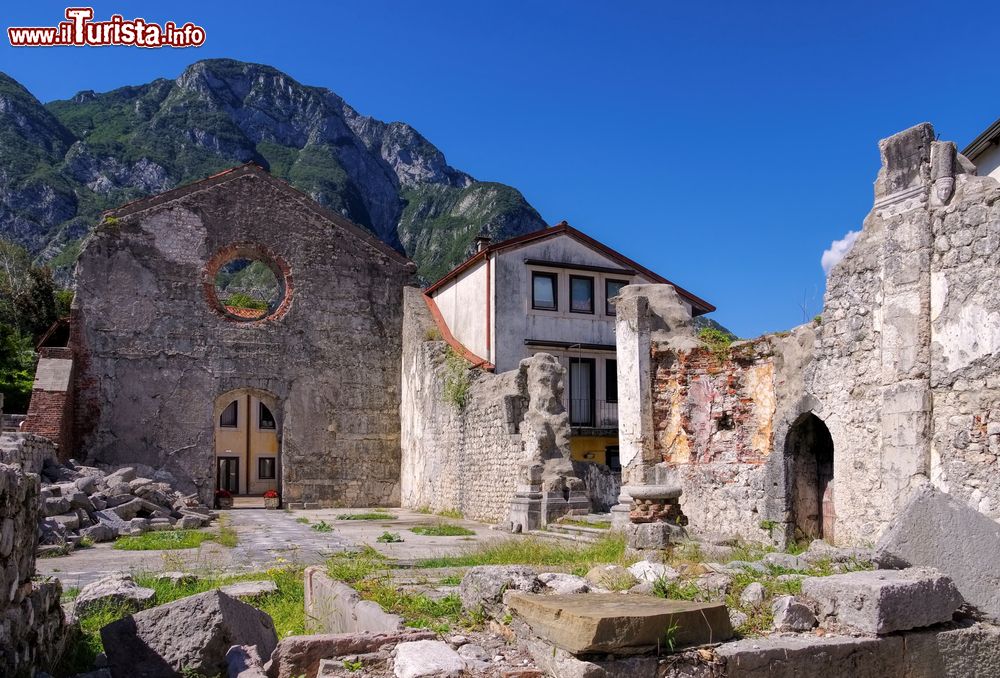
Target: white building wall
988 162
462 304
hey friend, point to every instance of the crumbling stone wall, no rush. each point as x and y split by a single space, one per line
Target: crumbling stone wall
714 414
902 371
32 626
474 458
153 351
29 451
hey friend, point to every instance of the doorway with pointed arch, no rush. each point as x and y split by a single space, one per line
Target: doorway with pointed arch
809 457
247 443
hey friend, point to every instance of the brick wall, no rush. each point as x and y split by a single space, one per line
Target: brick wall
50 412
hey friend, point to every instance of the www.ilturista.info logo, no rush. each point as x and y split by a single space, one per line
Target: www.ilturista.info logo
80 30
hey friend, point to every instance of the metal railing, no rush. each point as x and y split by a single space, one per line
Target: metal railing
590 413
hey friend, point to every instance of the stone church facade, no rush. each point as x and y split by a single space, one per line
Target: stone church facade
164 370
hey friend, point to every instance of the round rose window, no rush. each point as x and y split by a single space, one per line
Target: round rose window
247 285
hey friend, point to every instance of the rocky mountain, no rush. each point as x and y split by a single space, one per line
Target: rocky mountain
64 162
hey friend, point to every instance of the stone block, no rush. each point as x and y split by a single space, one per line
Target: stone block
118 590
883 601
101 532
595 622
192 634
559 582
427 658
812 656
936 530
483 587
334 607
653 536
612 577
242 661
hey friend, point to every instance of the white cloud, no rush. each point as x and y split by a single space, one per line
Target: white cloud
838 250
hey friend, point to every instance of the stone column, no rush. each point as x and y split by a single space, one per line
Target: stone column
902 194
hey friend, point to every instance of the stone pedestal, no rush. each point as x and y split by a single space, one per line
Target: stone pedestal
650 515
526 509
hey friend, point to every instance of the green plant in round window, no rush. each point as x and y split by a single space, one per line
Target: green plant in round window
248 289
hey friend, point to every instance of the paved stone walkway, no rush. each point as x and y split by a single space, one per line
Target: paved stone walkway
267 539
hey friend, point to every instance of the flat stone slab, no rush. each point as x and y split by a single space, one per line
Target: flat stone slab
883 601
813 656
621 624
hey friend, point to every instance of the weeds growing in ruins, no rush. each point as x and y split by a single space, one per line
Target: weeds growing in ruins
456 379
592 524
718 342
577 558
442 530
389 538
451 513
303 520
373 515
322 526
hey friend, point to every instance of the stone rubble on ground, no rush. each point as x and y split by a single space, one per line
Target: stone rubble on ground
80 502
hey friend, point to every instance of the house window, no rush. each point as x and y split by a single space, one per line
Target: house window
611 290
265 420
543 291
581 391
581 294
611 381
265 468
228 418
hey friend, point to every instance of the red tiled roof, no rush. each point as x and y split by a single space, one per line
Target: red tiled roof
700 305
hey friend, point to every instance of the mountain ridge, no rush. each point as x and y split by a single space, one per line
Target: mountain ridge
64 162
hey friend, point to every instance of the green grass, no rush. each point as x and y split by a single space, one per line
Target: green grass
593 524
579 558
353 567
286 606
455 514
450 580
373 515
389 538
442 530
367 572
322 526
164 541
303 520
418 610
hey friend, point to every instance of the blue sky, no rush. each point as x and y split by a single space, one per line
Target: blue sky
724 145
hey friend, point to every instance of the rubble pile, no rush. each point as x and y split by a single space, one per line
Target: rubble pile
85 502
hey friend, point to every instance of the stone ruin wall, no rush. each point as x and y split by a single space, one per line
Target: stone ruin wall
472 459
903 368
152 355
32 625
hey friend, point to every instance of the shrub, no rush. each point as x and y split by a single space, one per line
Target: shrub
456 379
389 538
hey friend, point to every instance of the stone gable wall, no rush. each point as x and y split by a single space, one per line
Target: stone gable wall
152 354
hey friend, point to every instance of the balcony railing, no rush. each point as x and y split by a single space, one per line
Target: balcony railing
588 413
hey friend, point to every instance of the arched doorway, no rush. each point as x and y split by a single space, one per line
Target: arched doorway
809 455
247 447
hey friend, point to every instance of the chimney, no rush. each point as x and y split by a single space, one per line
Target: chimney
482 242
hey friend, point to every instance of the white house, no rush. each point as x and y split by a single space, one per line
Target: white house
984 151
549 291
